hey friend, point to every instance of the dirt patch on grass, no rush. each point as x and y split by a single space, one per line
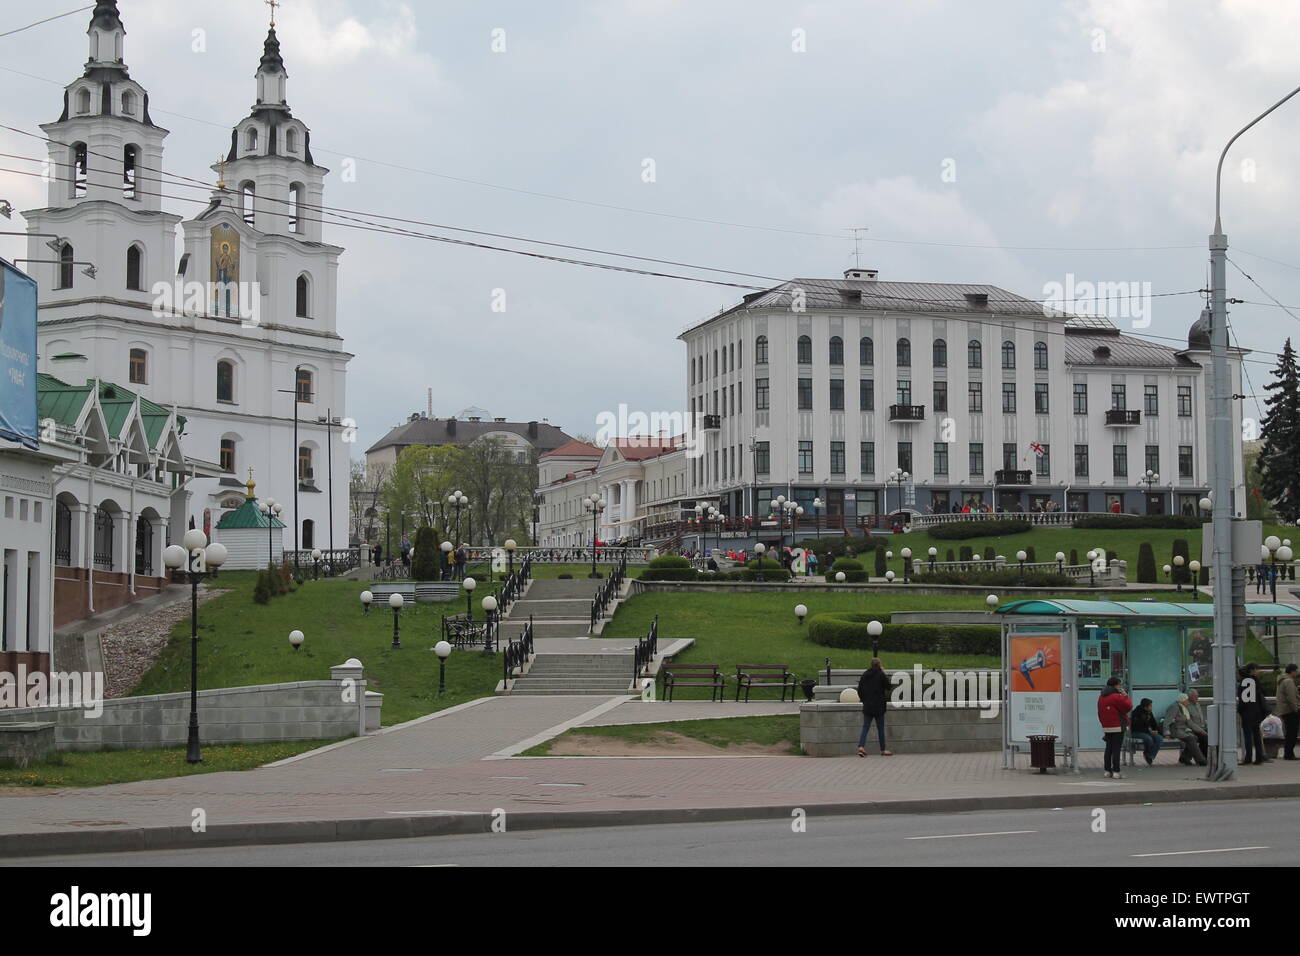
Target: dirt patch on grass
665 744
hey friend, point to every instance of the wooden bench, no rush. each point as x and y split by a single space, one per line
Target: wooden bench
693 675
749 676
423 592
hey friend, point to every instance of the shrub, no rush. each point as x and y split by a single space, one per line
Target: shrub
1130 522
262 590
772 572
967 554
1007 577
564 577
1074 556
670 574
960 530
427 563
1146 569
881 568
1181 575
853 570
950 557
848 629
1111 556
1033 555
283 578
989 553
846 564
669 561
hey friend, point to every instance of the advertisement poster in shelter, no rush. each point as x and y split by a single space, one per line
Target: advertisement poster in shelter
1034 681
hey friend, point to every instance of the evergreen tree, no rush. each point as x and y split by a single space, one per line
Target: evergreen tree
1279 457
1146 569
427 565
881 568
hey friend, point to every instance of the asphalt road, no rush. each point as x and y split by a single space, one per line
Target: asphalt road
1228 833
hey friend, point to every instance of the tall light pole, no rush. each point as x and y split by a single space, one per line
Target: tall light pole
1149 479
457 501
1223 744
594 504
196 555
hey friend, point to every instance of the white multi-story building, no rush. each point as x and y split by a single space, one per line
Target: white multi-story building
821 388
117 304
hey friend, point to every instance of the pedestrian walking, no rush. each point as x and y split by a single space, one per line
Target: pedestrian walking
1113 707
405 546
873 691
1288 708
1251 710
379 555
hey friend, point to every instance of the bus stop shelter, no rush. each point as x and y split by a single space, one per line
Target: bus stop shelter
1058 655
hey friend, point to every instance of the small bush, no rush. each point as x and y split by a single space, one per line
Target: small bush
1131 522
960 530
950 557
669 561
1074 556
853 570
881 567
1007 577
564 577
1033 555
966 552
770 573
262 590
670 574
989 553
427 563
1146 569
840 544
1182 575
849 630
846 564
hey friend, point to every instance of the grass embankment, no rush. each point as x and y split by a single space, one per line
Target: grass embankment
97 768
243 643
780 731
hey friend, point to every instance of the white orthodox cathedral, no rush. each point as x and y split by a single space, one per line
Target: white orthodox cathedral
234 331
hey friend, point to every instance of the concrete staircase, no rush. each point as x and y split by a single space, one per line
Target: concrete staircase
604 675
558 609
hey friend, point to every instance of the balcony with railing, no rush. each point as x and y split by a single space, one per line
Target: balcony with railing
1009 476
1123 417
907 413
712 422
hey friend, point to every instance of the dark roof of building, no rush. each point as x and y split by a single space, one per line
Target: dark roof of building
1095 346
247 515
272 61
575 449
106 16
453 431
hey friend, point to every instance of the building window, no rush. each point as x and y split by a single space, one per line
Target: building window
133 269
1151 400
837 350
805 394
1184 401
1009 456
760 350
715 363
866 351
291 140
940 458
1081 461
83 101
303 384
1040 356
805 350
866 395
305 472
78 171
904 393
1153 459
837 394
248 202
1009 397
940 396
103 540
228 455
867 461
760 394
66 255
302 304
805 458
1184 461
129 155
905 456
139 367
1119 461
250 138
762 457
225 381
1040 398
837 458
1118 397
974 354
904 351
940 353
976 458
1008 354
975 397
295 206
1080 398
1045 462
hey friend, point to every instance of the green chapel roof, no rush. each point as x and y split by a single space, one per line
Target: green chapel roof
247 515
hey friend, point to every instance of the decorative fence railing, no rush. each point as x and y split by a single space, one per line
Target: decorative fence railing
517 651
611 554
607 591
646 649
330 564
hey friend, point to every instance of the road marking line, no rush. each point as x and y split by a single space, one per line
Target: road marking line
561 784
955 836
407 813
1228 849
402 770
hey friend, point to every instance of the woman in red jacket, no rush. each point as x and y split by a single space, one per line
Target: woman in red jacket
1113 707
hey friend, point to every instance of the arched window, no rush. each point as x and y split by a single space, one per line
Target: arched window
904 353
308 534
1040 356
940 353
303 384
77 174
83 101
866 351
66 255
228 455
302 297
250 138
128 103
805 350
837 350
248 201
305 472
295 206
974 354
1008 354
103 539
134 268
760 350
225 381
139 370
129 156
291 140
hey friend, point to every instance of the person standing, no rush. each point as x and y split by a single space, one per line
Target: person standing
811 558
1288 708
379 555
405 546
1251 709
1146 729
873 691
1113 707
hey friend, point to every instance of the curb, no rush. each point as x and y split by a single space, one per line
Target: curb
452 822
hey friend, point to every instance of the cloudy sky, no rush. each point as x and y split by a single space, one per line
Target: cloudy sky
1012 143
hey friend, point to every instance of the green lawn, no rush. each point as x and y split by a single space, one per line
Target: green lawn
720 732
99 767
244 643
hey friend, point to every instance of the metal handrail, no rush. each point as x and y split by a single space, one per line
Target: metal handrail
518 651
646 649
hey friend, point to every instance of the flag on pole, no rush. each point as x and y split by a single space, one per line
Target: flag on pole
1037 449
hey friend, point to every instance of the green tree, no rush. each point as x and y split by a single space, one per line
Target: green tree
419 484
1146 569
881 567
1279 455
427 564
499 479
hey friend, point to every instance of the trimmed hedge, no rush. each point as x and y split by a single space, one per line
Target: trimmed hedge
669 561
1146 569
670 574
1129 522
960 530
774 573
1007 577
853 571
839 545
846 564
848 629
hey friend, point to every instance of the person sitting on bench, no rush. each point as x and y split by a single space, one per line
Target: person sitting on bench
1178 724
1146 728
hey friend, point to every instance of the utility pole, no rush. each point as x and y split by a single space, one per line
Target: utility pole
1223 740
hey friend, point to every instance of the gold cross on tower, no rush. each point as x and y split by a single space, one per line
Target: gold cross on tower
221 172
272 4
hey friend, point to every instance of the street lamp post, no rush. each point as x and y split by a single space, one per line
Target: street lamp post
366 598
1150 478
1179 561
446 548
457 501
1021 556
800 612
1060 562
594 504
490 615
315 562
901 477
295 639
395 601
817 514
469 584
1195 568
778 510
1276 549
875 629
1092 569
510 553
196 555
271 509
934 554
907 562
443 650
759 548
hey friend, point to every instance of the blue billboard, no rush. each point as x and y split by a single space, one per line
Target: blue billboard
17 356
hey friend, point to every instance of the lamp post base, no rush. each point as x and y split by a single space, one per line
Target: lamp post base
192 752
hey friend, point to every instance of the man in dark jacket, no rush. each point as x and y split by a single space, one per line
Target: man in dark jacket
1250 707
873 691
1145 728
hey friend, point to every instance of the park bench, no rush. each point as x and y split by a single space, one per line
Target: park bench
423 592
693 675
426 591
749 676
1132 745
381 591
460 631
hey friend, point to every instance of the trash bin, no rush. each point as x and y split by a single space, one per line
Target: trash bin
1042 752
808 686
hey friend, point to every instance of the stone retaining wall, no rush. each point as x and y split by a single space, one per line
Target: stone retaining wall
830 729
